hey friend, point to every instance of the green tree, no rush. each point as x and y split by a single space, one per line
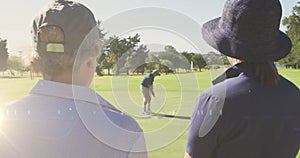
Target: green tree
224 59
177 59
152 62
170 49
292 24
35 65
199 61
105 62
15 63
136 59
3 55
117 50
169 56
101 31
165 65
188 56
213 58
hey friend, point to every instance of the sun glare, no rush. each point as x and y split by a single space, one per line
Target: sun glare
1 116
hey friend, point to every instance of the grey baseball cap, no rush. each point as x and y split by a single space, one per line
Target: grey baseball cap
72 20
156 72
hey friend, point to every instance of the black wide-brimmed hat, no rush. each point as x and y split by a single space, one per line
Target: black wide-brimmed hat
249 30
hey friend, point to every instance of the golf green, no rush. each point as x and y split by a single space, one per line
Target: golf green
175 95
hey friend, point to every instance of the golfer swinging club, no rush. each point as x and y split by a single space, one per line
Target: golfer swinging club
147 90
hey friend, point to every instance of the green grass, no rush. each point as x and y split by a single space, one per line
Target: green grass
13 89
292 75
175 94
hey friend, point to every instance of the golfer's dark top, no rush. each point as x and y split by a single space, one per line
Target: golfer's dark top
252 121
148 80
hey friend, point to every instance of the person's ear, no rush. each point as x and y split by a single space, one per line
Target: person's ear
91 63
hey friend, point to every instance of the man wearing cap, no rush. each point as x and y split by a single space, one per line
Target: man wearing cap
251 111
147 90
62 117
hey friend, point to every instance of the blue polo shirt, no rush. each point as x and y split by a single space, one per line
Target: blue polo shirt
239 118
148 80
67 121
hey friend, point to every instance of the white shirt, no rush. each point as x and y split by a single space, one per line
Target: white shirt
68 121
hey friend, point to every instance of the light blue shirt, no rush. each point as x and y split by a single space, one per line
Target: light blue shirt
68 121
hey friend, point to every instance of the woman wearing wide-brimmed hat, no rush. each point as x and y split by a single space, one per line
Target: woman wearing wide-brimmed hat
251 111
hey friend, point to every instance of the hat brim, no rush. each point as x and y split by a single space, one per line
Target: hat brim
229 46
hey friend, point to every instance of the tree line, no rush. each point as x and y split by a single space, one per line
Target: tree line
10 63
292 24
126 55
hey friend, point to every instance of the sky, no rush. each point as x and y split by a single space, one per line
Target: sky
159 22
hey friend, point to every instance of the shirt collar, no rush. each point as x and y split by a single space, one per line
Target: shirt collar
70 91
234 71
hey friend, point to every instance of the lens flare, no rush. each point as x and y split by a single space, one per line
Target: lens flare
1 116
